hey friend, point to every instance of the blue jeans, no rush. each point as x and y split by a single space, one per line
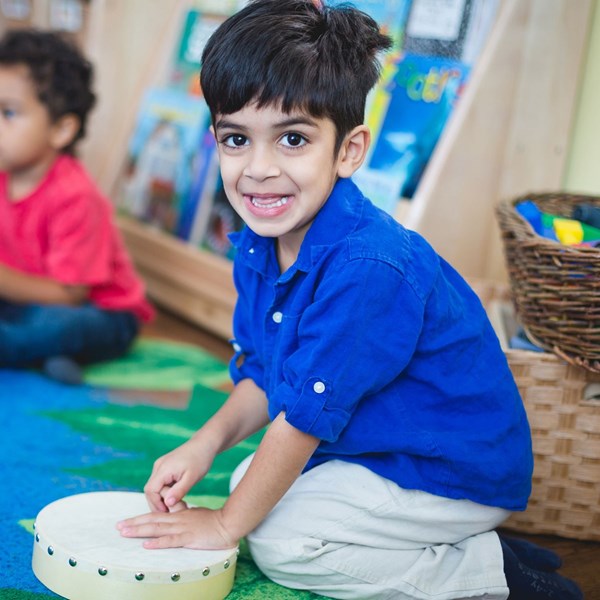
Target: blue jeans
31 333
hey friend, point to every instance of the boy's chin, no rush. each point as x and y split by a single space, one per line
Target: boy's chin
265 231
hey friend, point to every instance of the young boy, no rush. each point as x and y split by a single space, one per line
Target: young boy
398 441
68 290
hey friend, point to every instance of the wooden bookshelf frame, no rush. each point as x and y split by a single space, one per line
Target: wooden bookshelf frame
195 284
508 135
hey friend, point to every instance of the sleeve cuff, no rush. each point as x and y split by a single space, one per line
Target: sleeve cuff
310 412
240 367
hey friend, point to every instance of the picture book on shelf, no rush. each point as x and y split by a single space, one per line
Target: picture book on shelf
202 191
207 218
203 180
220 7
418 90
161 156
421 94
196 29
454 29
222 220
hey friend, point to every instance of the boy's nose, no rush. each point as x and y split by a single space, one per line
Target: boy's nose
261 165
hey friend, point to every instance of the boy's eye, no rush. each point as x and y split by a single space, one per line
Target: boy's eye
8 113
293 140
236 140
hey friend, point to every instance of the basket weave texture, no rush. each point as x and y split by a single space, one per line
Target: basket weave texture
556 288
565 429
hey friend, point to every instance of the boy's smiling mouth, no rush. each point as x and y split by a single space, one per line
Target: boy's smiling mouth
263 203
267 201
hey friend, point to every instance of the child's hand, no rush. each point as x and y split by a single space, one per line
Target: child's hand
174 474
196 528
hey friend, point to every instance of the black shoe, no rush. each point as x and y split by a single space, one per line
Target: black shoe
525 583
532 555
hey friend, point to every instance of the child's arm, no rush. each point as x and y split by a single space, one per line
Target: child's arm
279 460
244 413
32 289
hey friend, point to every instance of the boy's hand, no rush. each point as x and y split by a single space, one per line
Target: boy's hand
244 413
174 474
196 528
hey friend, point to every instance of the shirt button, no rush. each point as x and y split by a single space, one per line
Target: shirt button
236 347
251 251
277 317
319 387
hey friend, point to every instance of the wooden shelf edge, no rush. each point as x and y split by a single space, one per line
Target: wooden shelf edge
190 282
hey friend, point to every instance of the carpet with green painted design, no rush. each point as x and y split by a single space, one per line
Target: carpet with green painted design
63 440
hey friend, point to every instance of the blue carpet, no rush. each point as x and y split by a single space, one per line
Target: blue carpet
37 452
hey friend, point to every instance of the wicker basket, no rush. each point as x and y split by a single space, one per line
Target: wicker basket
565 428
556 288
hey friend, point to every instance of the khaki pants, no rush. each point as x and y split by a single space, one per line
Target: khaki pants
345 532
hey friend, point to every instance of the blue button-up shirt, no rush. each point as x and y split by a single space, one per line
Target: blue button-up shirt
375 345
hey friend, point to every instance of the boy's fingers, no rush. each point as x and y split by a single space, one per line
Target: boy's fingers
181 505
173 495
150 525
165 541
156 491
155 501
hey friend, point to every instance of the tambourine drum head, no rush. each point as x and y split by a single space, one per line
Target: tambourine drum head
79 554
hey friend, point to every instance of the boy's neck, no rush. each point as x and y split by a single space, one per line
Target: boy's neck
21 183
286 257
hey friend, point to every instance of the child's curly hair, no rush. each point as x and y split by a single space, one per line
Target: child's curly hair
59 71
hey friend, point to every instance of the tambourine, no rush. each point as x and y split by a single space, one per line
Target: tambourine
78 553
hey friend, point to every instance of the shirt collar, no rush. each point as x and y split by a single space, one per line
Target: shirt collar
334 221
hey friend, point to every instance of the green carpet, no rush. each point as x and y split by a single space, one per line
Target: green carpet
159 365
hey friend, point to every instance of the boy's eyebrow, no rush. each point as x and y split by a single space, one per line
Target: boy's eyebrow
289 122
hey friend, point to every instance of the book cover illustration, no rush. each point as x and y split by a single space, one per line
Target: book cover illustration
161 155
418 90
421 95
454 29
222 220
194 217
221 7
185 72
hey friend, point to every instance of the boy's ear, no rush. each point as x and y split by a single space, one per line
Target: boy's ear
353 150
64 131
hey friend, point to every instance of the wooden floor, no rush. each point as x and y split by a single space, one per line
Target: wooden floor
581 560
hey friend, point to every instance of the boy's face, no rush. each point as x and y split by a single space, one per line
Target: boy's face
25 126
278 169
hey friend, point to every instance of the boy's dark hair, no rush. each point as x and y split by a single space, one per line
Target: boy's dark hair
298 52
59 71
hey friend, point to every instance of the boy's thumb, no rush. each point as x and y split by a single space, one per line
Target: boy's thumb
173 497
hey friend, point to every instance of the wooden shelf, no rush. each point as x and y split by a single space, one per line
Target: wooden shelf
186 280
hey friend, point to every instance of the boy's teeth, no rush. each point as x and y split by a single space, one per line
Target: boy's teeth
275 204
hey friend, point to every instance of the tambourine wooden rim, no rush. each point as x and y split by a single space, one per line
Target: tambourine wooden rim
79 554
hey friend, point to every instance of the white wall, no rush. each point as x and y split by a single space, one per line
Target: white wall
582 173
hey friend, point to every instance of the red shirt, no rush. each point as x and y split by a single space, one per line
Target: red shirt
64 230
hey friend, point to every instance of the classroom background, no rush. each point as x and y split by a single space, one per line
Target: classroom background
481 103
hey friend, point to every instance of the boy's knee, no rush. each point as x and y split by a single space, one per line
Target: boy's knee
283 560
